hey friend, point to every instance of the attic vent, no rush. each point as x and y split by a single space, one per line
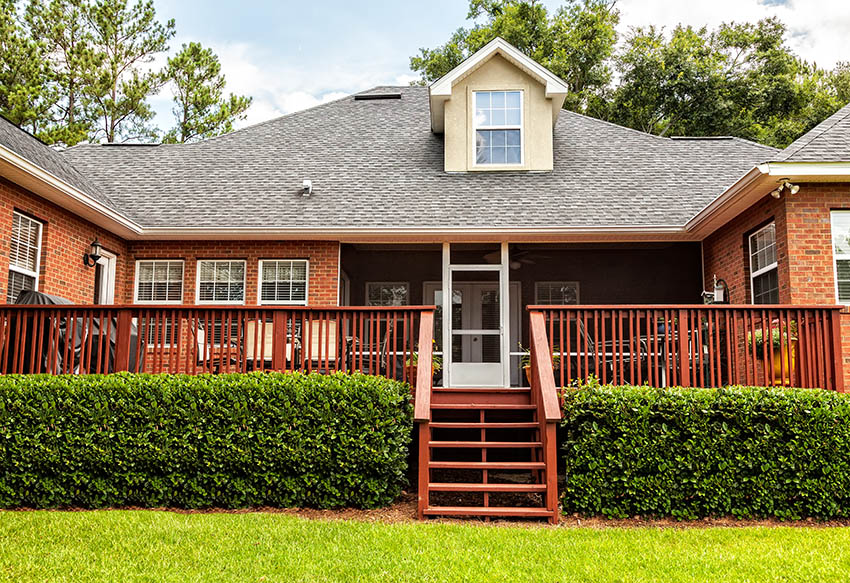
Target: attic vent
375 96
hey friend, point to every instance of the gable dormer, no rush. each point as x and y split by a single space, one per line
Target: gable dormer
497 111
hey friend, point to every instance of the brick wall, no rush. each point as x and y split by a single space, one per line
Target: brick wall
322 255
726 252
804 248
65 238
812 274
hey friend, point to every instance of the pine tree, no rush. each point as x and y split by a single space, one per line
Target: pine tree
126 38
25 92
62 26
200 107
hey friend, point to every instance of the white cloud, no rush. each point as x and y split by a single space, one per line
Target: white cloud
818 29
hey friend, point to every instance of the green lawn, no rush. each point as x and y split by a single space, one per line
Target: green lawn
161 546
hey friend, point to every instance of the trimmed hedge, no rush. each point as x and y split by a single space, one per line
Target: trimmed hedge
230 441
692 453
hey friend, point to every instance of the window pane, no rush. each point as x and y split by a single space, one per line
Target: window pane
482 100
497 100
766 288
497 117
514 155
512 137
841 232
554 293
513 117
843 268
498 156
763 248
512 99
24 251
18 282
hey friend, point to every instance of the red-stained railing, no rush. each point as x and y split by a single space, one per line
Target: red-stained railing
696 346
209 339
544 395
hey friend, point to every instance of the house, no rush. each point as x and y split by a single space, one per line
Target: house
479 195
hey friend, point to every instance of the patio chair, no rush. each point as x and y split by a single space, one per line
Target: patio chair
605 353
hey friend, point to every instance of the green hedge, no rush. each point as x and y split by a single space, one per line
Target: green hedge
230 441
692 453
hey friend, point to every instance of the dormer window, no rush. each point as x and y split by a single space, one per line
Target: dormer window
498 127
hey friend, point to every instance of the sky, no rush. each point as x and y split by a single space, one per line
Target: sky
290 55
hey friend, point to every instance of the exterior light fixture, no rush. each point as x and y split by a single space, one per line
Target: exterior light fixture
785 184
91 258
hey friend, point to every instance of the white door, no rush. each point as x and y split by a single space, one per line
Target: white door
104 279
476 358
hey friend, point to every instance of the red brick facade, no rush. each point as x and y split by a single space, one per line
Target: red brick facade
323 257
804 249
66 237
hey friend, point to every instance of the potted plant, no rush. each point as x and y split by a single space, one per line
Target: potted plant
525 360
412 364
784 336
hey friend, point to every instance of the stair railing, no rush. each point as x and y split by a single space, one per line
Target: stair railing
422 403
545 396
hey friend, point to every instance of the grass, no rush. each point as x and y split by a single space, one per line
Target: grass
131 546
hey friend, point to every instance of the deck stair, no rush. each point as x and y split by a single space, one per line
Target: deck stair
482 455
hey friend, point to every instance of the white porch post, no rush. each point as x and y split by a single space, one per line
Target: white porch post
505 307
447 315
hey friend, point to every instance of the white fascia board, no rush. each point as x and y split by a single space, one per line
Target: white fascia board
813 169
56 190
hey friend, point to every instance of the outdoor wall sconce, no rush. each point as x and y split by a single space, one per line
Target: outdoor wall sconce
91 258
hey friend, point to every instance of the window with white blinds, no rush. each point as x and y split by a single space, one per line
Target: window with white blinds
159 281
283 281
24 255
221 282
841 254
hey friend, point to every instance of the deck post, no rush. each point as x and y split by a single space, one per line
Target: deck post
122 341
279 341
684 350
837 351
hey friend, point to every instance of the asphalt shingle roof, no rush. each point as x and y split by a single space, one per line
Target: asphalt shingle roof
37 152
376 164
829 141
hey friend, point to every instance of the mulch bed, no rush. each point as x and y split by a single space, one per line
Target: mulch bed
404 511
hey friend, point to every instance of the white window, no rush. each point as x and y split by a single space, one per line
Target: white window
556 293
498 127
221 282
159 281
388 293
764 272
283 281
841 254
24 255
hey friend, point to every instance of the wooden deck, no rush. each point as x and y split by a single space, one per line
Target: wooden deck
488 452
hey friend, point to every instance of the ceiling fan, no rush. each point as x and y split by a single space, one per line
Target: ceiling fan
517 258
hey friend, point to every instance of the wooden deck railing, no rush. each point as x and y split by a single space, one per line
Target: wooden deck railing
209 339
544 395
696 346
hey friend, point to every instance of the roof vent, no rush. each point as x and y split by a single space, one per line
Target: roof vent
376 96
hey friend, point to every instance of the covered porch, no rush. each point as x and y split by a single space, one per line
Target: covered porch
492 285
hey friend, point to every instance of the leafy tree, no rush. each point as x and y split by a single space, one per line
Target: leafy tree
25 94
201 109
126 38
61 25
574 43
741 80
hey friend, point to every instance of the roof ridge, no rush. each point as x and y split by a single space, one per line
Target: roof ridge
826 126
612 124
290 114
